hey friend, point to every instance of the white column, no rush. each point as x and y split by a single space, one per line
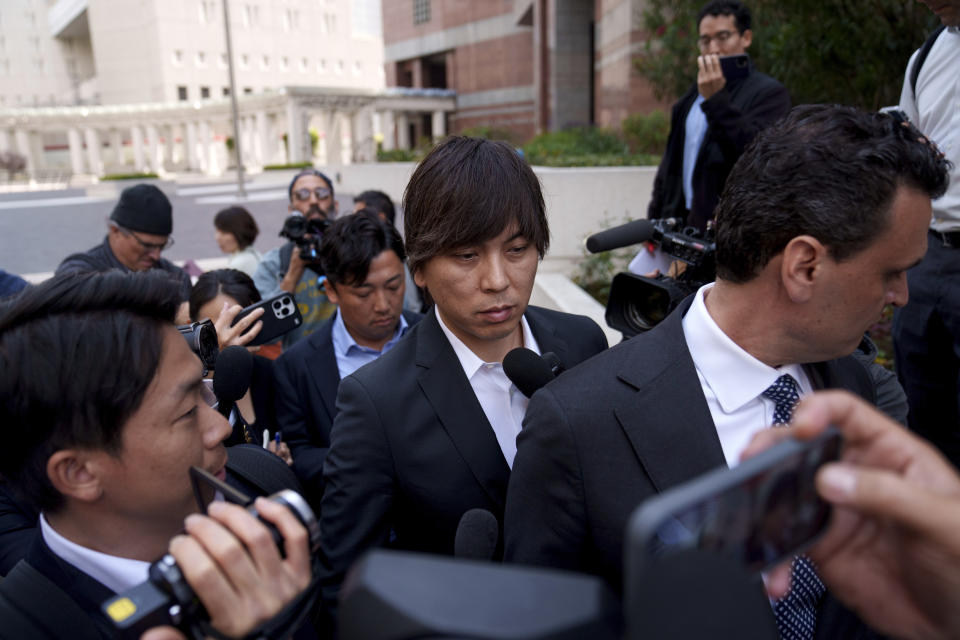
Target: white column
25 148
438 124
93 151
403 131
153 149
76 150
208 155
136 137
4 140
298 140
169 143
262 139
353 132
190 142
334 138
248 128
389 131
116 147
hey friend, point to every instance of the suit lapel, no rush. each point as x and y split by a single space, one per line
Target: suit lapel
449 392
322 368
667 421
546 334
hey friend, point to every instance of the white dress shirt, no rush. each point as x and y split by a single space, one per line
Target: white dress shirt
502 402
935 110
118 574
732 380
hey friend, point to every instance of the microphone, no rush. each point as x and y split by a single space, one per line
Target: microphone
477 536
232 375
527 370
621 236
554 362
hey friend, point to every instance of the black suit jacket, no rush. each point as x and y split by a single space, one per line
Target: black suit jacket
411 449
620 428
735 115
306 379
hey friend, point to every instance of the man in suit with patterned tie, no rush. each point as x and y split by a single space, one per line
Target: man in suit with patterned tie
820 220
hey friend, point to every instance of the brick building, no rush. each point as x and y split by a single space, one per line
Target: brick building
524 65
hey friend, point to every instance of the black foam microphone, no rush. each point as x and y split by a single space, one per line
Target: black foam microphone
232 376
623 235
554 362
527 370
477 535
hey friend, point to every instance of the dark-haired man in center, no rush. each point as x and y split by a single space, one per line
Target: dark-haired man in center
427 432
363 259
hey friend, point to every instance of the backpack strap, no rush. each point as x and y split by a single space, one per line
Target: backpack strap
30 603
922 57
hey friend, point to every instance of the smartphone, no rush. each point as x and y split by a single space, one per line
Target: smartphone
759 513
280 315
735 67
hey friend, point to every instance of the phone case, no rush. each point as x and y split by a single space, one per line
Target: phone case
280 316
735 67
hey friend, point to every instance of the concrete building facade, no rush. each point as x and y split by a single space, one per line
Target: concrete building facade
524 65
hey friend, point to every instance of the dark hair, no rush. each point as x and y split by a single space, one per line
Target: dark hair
239 222
309 172
828 171
77 354
352 242
467 191
740 13
378 202
229 282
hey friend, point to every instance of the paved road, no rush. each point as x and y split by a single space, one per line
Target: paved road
39 229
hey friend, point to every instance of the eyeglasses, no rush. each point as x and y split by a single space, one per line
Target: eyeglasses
304 193
720 36
147 246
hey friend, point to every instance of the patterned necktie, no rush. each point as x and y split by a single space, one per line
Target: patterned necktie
796 613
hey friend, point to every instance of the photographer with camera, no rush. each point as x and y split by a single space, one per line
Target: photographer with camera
101 427
820 220
294 267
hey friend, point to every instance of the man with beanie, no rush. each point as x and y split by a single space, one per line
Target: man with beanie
139 230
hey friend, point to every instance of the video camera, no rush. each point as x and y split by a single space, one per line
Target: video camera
638 303
306 233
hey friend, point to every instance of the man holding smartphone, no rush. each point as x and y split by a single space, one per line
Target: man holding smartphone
712 124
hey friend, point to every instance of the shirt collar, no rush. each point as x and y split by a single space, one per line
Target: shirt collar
343 342
118 574
735 376
468 359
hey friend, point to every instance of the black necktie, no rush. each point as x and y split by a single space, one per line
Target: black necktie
796 612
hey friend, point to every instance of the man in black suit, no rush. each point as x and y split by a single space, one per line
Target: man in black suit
362 258
820 221
713 123
427 432
103 413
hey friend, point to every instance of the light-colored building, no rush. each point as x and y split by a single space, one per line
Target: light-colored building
524 65
67 52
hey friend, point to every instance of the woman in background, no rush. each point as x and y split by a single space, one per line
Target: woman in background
235 231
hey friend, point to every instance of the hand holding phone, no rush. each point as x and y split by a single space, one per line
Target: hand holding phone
278 315
233 330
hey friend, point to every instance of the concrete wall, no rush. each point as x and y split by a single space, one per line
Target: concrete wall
580 200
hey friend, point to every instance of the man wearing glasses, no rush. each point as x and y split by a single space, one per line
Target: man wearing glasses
139 230
712 124
282 269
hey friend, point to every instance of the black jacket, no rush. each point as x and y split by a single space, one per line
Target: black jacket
735 114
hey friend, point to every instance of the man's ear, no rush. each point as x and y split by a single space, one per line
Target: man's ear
746 38
802 267
418 278
73 472
331 290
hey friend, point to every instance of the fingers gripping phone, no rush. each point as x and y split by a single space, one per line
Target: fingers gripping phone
280 315
735 67
759 513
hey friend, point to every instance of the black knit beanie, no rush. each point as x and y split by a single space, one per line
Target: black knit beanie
144 208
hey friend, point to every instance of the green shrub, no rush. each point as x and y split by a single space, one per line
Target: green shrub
491 133
595 272
281 167
129 176
399 155
646 132
583 147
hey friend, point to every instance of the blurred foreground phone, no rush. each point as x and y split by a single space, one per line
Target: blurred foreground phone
280 315
735 67
760 512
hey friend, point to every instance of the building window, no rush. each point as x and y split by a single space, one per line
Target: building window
223 61
340 67
357 68
265 62
177 57
321 66
204 93
247 90
181 93
284 63
304 64
421 11
226 92
201 59
244 61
